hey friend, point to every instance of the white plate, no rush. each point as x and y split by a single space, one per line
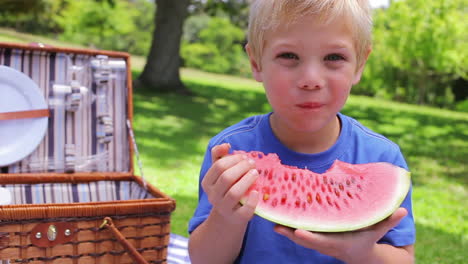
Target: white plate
19 138
5 196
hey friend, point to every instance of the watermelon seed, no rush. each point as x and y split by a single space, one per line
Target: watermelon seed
341 186
274 203
273 190
309 198
348 182
337 193
330 188
283 199
357 195
286 176
260 171
298 203
324 179
318 198
349 195
270 175
337 206
331 181
294 192
317 182
302 188
293 177
359 187
304 206
346 202
329 200
266 196
323 188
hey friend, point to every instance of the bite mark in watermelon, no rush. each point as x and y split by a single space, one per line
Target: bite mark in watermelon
346 197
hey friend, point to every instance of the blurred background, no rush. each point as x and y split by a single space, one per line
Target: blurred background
192 79
419 57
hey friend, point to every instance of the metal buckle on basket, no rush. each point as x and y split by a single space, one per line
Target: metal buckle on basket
103 71
106 130
70 157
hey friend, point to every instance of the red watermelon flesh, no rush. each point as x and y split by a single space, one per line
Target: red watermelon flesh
346 197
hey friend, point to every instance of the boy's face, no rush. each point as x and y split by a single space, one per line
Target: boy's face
307 70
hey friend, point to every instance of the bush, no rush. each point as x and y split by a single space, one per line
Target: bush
216 47
419 52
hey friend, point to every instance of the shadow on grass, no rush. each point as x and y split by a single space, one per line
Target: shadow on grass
434 147
184 121
438 247
185 207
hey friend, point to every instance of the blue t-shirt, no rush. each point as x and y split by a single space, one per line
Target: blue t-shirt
356 144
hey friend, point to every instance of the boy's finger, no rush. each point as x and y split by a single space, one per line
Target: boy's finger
248 209
383 227
219 151
223 168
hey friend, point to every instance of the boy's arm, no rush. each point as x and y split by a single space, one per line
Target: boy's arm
214 241
219 238
356 247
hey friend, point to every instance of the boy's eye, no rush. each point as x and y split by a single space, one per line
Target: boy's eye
334 57
288 56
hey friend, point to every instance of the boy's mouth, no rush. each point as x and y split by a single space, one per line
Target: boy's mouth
310 105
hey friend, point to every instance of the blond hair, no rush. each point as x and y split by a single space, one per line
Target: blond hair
266 15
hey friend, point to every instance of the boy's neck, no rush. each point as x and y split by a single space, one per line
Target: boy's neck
309 143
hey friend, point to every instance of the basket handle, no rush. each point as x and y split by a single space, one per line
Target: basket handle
131 250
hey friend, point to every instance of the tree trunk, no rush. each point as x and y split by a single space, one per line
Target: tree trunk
161 71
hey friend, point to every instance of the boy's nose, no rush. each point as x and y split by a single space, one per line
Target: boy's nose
311 78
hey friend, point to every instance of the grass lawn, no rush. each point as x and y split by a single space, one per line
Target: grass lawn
172 132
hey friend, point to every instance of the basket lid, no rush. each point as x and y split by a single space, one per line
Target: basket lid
88 95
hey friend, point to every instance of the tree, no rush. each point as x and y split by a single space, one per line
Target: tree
161 71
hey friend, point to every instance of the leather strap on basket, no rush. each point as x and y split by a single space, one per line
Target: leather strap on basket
24 114
131 250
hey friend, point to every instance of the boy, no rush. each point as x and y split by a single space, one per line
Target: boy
308 54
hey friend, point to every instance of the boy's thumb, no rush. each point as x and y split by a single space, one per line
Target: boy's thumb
219 151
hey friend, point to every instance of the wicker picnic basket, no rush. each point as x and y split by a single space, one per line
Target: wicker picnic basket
74 196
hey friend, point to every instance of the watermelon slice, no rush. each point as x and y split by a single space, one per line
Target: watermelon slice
344 198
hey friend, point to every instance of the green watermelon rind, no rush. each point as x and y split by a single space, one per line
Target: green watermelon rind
402 190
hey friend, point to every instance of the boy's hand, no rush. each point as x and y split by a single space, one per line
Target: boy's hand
351 247
226 182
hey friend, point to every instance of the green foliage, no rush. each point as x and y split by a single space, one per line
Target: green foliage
33 16
420 49
216 47
106 26
462 106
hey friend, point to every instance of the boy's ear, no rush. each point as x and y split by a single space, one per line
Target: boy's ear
360 69
256 71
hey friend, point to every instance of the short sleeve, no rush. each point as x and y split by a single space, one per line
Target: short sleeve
405 232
